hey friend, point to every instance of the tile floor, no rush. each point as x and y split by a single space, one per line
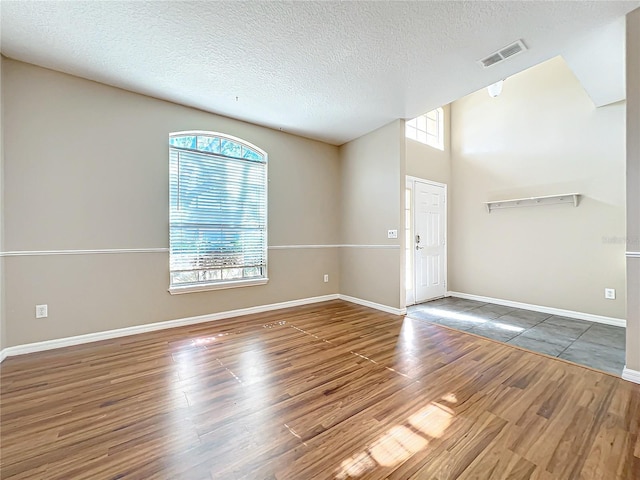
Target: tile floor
587 343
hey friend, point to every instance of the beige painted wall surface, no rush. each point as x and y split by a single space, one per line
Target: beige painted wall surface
633 188
370 189
92 293
2 293
429 163
372 275
99 161
542 136
402 240
86 167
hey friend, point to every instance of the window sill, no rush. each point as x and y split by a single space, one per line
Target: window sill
216 286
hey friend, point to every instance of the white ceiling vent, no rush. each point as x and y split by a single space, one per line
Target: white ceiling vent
502 54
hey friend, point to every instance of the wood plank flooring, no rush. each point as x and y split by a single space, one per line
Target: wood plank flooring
330 390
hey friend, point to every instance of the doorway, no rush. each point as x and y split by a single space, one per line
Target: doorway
426 245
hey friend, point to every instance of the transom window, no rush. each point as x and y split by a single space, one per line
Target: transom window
427 128
218 212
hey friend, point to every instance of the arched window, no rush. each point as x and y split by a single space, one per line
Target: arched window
217 212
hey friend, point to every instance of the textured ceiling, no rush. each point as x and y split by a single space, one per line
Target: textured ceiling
325 70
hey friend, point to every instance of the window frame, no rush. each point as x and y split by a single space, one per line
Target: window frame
204 286
412 124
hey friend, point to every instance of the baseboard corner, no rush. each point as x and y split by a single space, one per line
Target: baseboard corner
631 375
374 305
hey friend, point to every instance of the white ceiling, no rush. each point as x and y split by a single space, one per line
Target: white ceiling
326 70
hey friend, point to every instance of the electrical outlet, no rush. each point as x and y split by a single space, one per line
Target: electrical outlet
610 293
326 277
41 311
392 233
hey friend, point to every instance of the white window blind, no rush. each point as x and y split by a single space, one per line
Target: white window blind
218 211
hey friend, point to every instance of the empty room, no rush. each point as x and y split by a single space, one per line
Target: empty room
332 240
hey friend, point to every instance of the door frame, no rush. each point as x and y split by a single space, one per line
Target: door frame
410 182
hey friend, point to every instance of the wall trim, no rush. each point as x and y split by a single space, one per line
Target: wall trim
618 322
104 251
633 254
357 245
353 245
377 306
152 327
631 375
288 247
99 251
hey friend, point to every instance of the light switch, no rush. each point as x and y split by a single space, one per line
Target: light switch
392 233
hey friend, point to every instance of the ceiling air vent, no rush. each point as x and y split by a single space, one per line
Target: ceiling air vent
502 54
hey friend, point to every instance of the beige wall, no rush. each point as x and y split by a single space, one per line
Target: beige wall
633 189
2 293
542 136
430 163
86 167
371 176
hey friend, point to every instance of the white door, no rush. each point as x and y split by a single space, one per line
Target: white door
429 241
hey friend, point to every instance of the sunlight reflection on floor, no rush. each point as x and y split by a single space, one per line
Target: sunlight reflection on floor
432 420
396 446
401 441
208 340
510 328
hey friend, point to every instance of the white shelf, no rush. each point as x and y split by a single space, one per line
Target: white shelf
572 198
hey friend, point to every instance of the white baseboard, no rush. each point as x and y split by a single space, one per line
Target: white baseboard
618 322
631 375
151 327
377 306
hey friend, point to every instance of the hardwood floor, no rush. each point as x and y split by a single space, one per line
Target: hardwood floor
330 390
